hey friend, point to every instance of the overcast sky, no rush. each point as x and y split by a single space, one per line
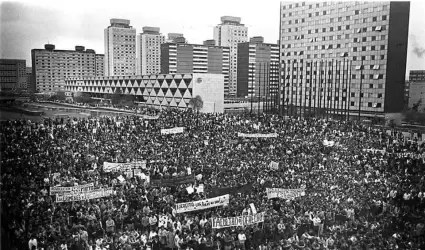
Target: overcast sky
29 24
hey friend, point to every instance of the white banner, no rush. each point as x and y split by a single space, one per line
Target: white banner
74 189
272 135
114 166
176 130
284 193
202 204
98 193
239 221
274 165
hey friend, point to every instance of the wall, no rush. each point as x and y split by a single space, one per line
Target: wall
211 89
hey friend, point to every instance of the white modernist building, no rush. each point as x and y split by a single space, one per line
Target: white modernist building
164 90
149 51
229 33
120 48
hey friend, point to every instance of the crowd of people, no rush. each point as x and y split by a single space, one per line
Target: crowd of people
365 190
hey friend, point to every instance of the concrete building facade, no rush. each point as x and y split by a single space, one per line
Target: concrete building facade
149 51
163 90
370 36
193 58
229 33
13 74
120 48
417 76
50 67
258 68
100 65
417 94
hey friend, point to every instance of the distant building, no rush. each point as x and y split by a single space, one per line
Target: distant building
229 33
194 58
149 51
29 76
417 76
258 68
370 36
406 94
172 36
50 67
100 65
161 91
13 74
417 94
120 48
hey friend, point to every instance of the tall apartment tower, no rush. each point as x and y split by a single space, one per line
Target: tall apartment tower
50 67
100 65
417 76
149 51
361 44
194 58
172 36
120 48
229 33
258 68
13 75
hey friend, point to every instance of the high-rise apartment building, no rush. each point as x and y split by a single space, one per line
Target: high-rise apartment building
149 51
258 68
172 36
369 39
100 65
120 48
194 58
29 76
13 74
417 76
229 33
50 67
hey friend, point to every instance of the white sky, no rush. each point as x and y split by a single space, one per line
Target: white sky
29 24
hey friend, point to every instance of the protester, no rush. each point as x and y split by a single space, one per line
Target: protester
362 188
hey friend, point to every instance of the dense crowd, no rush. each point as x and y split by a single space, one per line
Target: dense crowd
365 191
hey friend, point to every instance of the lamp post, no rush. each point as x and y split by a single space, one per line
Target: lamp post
361 87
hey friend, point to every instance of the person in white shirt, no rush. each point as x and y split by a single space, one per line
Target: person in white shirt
241 239
32 242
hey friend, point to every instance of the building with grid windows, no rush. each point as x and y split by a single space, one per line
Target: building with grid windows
362 45
50 66
195 58
149 51
120 48
229 33
417 76
13 74
173 36
258 68
100 65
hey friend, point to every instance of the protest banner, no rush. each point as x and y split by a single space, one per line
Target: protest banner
173 182
271 135
284 193
148 117
125 167
202 204
239 221
215 191
274 165
93 194
328 143
175 130
74 189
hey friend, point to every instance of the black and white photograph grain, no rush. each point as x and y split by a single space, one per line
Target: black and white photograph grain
212 125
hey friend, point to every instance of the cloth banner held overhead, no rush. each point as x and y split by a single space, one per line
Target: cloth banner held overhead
328 143
93 194
284 193
238 221
202 204
74 189
128 166
176 130
215 191
173 182
272 135
274 165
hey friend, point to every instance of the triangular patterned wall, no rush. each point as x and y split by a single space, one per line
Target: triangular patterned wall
158 90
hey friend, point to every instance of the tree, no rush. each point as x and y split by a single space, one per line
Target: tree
196 103
116 96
